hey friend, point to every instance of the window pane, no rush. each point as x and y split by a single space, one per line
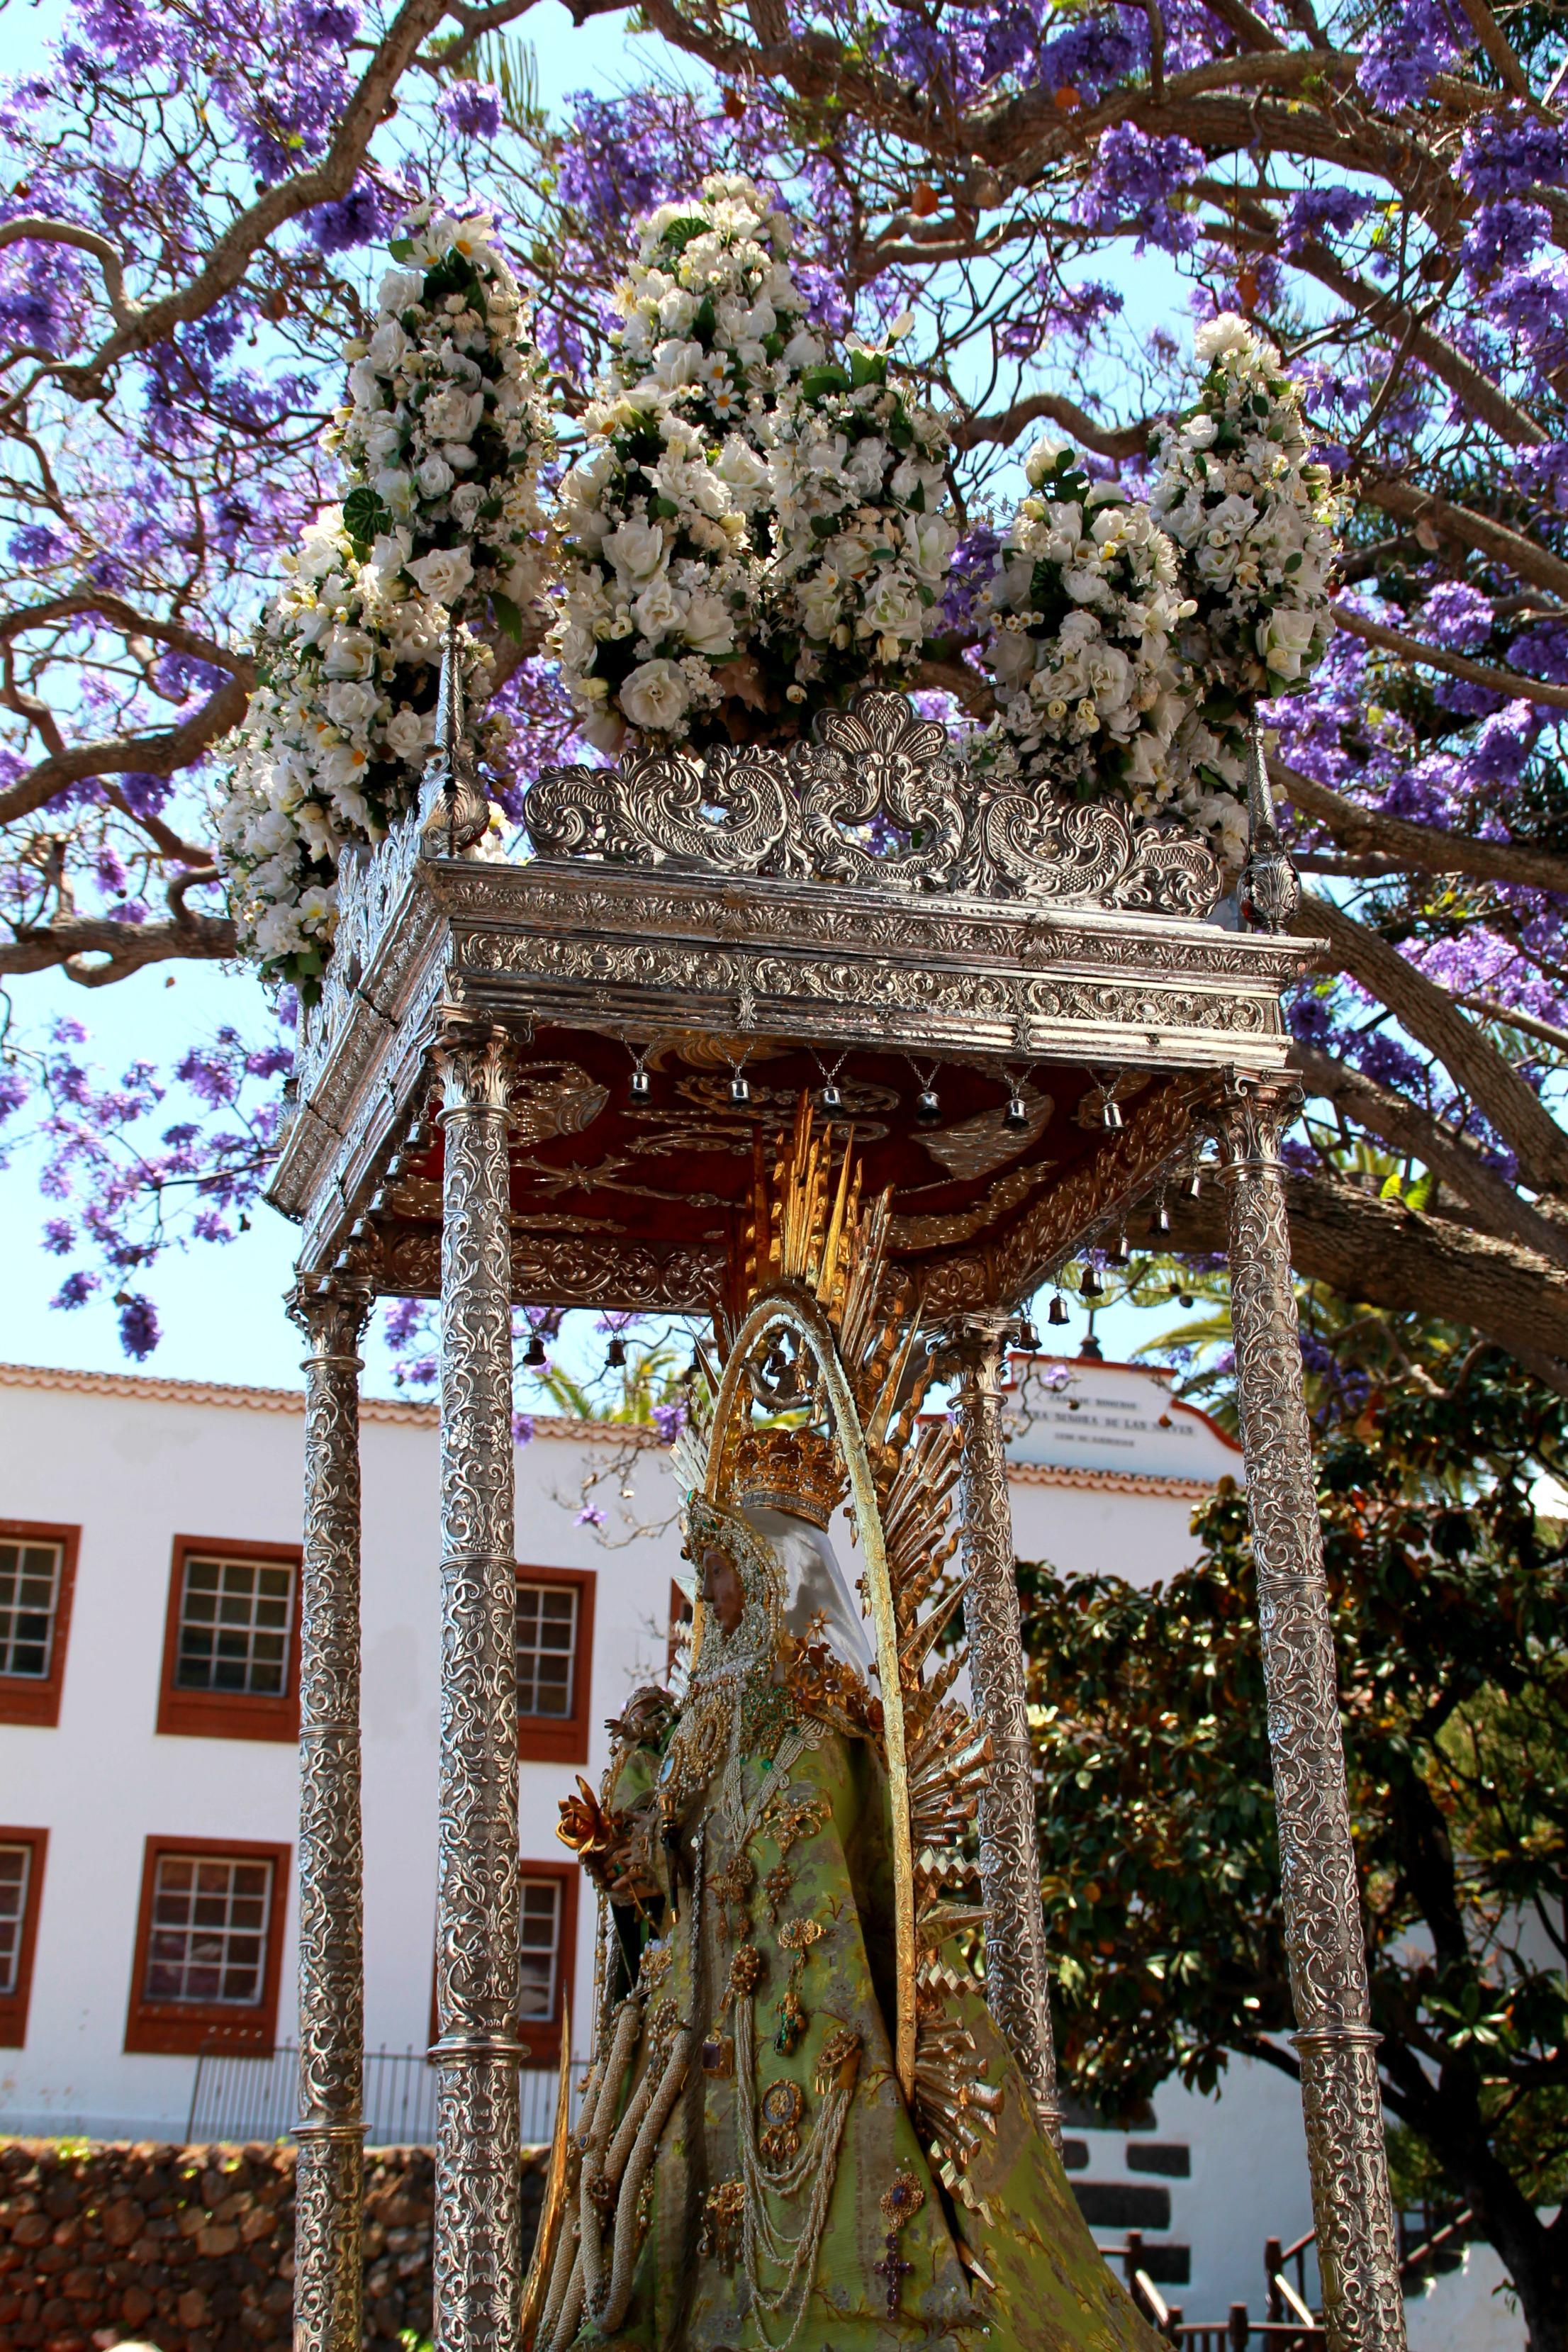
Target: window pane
209 1936
546 1649
16 1866
233 1627
29 1592
541 1942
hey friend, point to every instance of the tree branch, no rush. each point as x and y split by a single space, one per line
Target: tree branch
1431 1016
1383 1255
1402 1124
154 755
1110 440
1500 681
132 623
1522 556
1425 847
125 947
37 228
326 182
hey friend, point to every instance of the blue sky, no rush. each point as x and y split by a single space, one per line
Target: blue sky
220 1308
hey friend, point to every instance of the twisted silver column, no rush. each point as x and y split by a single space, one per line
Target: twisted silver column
331 2130
1015 1983
479 2259
1364 2308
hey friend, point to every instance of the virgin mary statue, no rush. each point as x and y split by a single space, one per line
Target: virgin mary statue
748 2171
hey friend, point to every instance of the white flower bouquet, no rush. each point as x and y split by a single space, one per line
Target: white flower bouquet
756 527
1081 614
442 445
332 743
448 425
1253 520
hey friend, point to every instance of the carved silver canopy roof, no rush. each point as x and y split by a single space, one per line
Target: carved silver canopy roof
856 901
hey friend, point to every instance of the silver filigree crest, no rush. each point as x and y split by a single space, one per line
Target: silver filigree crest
876 800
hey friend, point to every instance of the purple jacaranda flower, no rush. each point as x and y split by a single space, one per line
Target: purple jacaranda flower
1508 150
590 1516
473 108
77 1289
670 1420
523 1428
1503 236
1458 616
139 1331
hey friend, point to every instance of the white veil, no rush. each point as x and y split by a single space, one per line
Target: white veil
815 1584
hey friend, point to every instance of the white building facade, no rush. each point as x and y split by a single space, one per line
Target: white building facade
149 1556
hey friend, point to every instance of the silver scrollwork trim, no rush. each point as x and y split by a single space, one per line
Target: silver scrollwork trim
1363 2306
1017 1991
876 800
328 2290
478 2250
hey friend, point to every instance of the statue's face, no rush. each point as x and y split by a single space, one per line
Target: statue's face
723 1591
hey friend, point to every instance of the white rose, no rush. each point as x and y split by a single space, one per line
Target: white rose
658 611
451 413
1085 587
866 464
1042 458
349 653
1199 431
1109 674
1233 514
676 363
387 345
396 488
399 287
413 631
1285 639
1012 655
443 574
742 468
894 609
434 475
819 605
349 703
636 550
1226 333
655 695
676 310
930 539
467 501
708 627
407 733
802 351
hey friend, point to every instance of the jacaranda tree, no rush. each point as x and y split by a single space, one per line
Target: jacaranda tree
195 231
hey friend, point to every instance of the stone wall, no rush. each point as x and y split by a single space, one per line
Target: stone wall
191 2249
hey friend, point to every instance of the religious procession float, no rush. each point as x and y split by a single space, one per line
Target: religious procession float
812 1010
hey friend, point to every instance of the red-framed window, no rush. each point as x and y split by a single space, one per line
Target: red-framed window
38 1582
209 1946
231 1641
547 1957
22 1857
554 1664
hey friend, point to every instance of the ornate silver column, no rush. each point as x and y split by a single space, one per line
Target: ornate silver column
1016 1979
1364 2308
479 2264
331 2130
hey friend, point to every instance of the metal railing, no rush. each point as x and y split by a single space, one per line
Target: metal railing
250 2096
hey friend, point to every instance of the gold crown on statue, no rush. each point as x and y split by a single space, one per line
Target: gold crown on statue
790 1470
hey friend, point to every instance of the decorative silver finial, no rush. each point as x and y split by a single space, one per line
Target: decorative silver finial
1270 886
454 808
